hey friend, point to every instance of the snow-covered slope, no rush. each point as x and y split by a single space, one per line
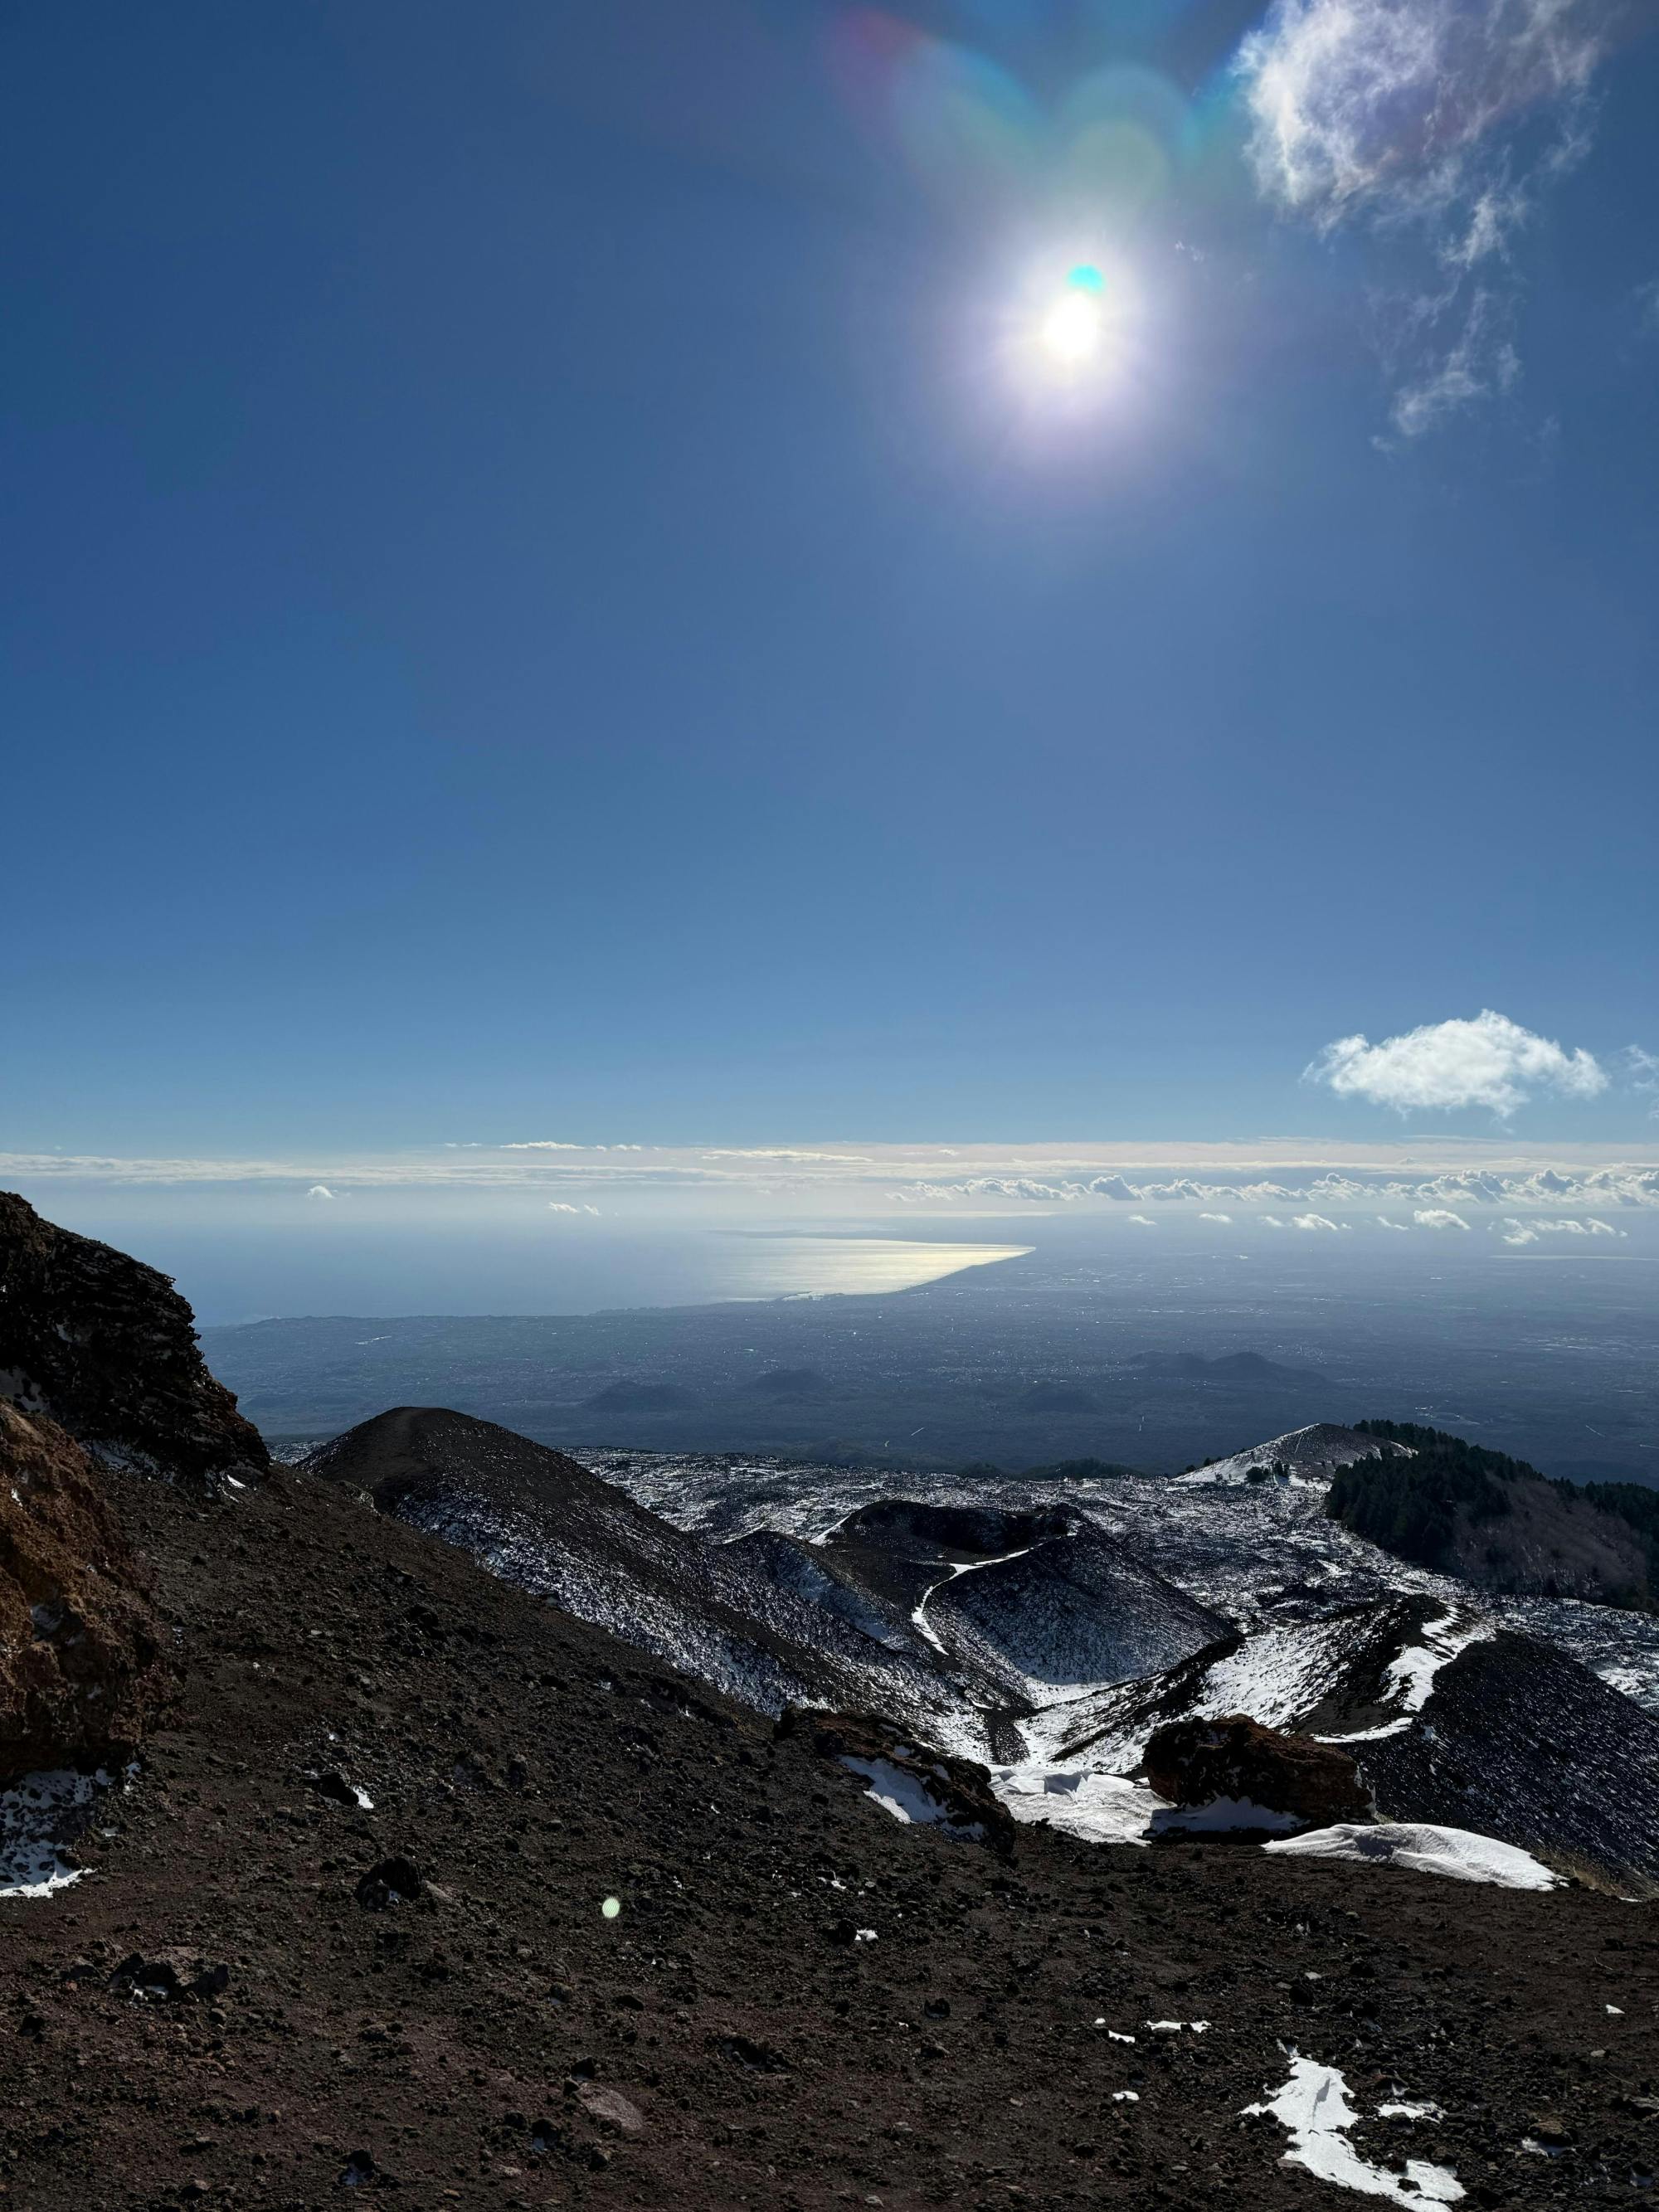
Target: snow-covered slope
1070 1613
1312 1454
1046 1627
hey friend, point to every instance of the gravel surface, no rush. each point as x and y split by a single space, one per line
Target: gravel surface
264 1993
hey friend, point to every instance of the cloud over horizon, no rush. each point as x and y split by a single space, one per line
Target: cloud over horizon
1528 1232
1490 1061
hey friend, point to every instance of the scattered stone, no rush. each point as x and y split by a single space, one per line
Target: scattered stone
337 1791
168 1977
757 2057
611 2108
394 1881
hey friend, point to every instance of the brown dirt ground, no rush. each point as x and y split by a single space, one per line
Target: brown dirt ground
531 1768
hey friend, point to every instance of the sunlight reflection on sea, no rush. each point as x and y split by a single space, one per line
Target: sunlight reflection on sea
781 1266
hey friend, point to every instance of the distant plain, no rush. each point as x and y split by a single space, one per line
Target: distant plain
1069 1349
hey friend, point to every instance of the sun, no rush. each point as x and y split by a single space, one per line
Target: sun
1077 323
1072 330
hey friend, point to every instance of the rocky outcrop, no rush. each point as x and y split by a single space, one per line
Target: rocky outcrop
1200 1762
81 1649
926 1789
105 1347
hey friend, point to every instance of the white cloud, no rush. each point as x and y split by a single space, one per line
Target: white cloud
1272 1221
1314 1221
1113 1186
1489 1061
775 1152
1435 125
1438 1217
1224 1218
561 1205
1480 362
1643 1069
1383 1222
1142 1220
320 1190
1528 1232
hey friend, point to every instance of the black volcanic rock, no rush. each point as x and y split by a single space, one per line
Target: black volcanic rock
916 1528
107 1347
802 2000
1073 1610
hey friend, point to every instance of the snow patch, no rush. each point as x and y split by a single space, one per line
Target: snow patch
1410 1675
1221 1815
1313 2105
919 1614
1456 1852
39 1814
908 1798
1096 1808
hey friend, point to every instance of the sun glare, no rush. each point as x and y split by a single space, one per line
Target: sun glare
1072 329
1077 325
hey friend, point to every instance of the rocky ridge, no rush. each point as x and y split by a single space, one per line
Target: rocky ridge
105 1347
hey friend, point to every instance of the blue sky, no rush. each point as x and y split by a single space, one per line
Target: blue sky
554 593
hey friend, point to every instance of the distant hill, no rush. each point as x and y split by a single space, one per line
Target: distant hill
785 1382
642 1398
1057 1398
1441 1502
1235 1367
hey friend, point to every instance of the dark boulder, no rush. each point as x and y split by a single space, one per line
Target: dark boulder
391 1882
107 1347
930 1787
169 1977
1196 1762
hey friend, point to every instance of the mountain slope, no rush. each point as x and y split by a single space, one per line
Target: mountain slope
1490 1519
722 1613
